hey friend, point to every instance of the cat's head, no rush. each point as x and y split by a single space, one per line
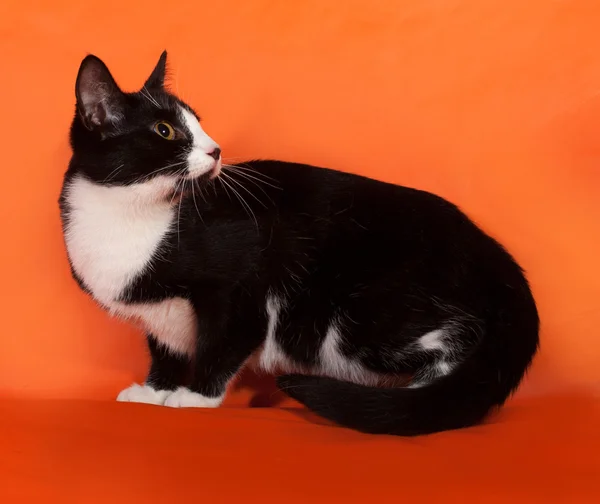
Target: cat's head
149 140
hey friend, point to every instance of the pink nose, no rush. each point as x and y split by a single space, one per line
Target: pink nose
215 154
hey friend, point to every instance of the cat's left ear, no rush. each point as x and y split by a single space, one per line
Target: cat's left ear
157 77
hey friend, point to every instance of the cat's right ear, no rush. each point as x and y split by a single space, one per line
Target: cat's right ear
157 77
100 102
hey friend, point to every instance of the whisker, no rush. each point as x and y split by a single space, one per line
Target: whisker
113 173
175 191
243 202
235 160
245 174
241 186
179 214
249 179
224 188
194 198
146 177
146 94
246 168
202 195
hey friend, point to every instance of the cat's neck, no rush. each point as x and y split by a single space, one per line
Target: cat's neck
132 201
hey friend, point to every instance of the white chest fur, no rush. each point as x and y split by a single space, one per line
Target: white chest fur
172 322
111 237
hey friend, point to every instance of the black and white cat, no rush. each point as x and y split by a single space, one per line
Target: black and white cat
348 283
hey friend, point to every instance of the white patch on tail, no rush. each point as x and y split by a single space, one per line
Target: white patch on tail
433 340
441 341
334 364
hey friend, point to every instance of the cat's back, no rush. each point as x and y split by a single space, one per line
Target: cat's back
356 219
340 196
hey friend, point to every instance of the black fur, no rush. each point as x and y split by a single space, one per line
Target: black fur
388 263
168 370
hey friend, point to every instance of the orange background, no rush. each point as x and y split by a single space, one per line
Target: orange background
494 104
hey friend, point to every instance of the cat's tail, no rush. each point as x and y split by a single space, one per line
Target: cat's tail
461 399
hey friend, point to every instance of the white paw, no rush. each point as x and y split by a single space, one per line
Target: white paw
143 394
185 398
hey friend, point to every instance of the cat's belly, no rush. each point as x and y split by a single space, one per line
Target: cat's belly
171 322
272 358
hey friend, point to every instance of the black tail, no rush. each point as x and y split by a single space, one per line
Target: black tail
463 398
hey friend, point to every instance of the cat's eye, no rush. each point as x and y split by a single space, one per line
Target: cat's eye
165 130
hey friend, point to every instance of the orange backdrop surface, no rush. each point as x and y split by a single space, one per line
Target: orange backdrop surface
494 104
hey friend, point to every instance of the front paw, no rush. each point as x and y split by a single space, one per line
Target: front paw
143 394
185 398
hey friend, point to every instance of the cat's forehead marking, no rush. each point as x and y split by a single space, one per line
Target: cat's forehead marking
200 138
189 119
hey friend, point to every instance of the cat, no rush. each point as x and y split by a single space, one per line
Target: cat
341 285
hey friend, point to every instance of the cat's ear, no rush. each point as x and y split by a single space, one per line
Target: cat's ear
157 77
100 102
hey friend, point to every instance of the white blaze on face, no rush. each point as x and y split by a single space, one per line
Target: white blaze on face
199 159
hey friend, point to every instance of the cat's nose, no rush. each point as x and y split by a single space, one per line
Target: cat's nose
215 154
